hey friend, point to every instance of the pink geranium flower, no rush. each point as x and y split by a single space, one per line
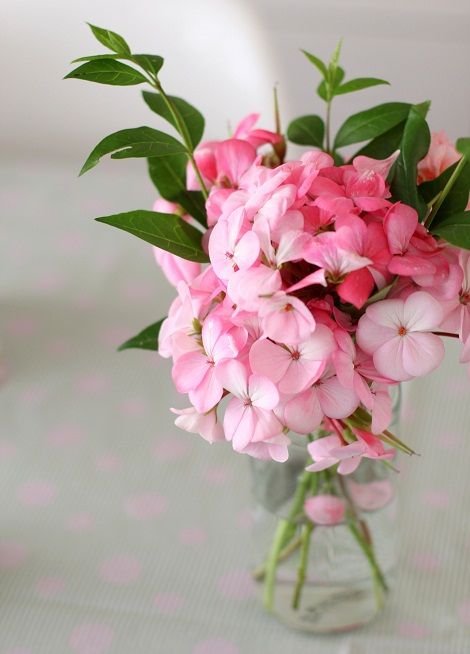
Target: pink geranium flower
396 333
293 367
232 248
204 424
249 416
441 155
325 510
327 397
195 372
285 318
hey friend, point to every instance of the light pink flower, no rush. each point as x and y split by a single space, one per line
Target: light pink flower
325 510
395 332
249 416
400 225
195 372
293 367
246 287
441 155
327 397
221 163
285 318
256 137
380 166
204 424
230 247
333 252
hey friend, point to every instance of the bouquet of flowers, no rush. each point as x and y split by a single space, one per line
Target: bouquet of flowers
306 289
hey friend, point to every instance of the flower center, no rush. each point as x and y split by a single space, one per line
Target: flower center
465 297
288 307
295 355
229 255
402 331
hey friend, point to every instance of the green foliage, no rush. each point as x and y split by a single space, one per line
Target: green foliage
169 176
307 130
135 142
192 118
413 147
455 229
164 230
107 71
371 123
358 84
147 339
110 40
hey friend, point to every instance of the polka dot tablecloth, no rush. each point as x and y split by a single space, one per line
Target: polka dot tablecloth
118 533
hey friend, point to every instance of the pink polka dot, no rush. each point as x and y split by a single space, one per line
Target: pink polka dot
245 518
33 396
145 506
37 493
169 602
134 407
93 384
59 347
237 584
114 336
47 587
170 449
79 522
91 639
464 612
137 290
65 436
373 495
120 570
108 462
193 536
425 562
413 630
22 326
438 499
216 646
71 242
12 555
218 475
48 282
7 450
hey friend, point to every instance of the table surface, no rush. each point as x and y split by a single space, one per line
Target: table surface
118 533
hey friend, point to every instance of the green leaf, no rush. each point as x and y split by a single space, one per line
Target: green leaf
164 230
318 63
463 146
337 79
384 145
429 190
150 63
97 57
191 117
147 339
455 229
107 71
169 176
371 123
110 40
307 130
136 142
458 196
414 146
358 84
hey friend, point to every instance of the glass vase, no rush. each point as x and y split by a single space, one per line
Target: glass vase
331 574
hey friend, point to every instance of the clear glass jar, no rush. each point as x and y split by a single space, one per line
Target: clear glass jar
326 578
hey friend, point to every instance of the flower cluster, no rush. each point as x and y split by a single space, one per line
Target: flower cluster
321 294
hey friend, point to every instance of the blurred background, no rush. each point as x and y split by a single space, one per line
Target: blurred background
117 532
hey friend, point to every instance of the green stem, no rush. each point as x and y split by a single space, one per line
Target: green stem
283 529
328 127
303 564
361 534
445 191
259 573
184 133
